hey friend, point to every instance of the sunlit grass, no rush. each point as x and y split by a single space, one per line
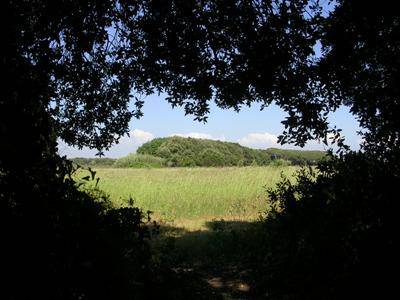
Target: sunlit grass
190 196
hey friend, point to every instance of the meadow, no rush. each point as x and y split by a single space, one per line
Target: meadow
189 197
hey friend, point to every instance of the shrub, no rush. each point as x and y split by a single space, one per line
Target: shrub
279 162
63 242
211 158
140 161
297 157
94 162
331 235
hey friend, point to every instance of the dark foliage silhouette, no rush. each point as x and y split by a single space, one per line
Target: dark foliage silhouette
332 234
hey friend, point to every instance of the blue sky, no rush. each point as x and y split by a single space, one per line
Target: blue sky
250 127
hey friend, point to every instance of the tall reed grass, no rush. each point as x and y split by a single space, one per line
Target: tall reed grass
194 194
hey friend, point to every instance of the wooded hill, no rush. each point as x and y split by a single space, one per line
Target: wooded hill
190 152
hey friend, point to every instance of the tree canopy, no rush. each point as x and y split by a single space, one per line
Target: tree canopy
94 57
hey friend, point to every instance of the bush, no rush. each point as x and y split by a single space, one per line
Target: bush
279 162
63 242
332 234
211 158
94 162
297 157
139 161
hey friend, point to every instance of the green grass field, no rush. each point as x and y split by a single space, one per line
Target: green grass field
190 196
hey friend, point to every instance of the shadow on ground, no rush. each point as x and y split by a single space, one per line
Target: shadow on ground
219 255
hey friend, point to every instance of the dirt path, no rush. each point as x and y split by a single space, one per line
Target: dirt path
229 283
216 256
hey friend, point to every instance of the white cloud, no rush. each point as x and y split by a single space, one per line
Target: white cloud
199 135
259 140
126 145
262 140
140 136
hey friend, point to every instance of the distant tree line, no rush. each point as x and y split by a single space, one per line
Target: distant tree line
297 157
94 162
189 152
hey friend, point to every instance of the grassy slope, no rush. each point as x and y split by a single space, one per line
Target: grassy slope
190 196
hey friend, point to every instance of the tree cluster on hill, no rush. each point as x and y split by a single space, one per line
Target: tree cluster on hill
190 152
